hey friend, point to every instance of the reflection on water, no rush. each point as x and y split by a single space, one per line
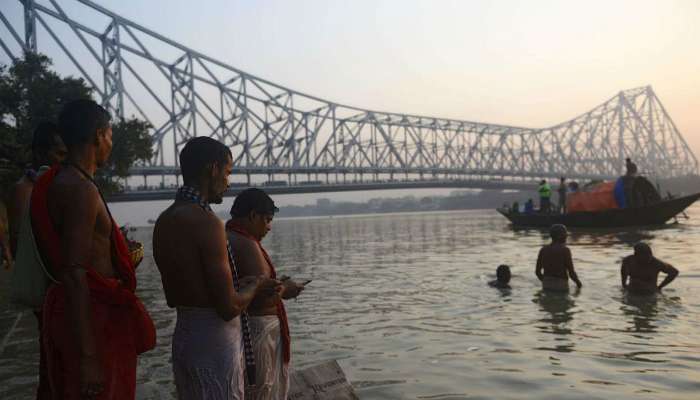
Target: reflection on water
403 302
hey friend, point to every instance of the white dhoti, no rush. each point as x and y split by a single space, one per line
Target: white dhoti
271 372
207 356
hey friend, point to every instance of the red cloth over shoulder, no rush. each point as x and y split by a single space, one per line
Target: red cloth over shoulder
106 291
281 311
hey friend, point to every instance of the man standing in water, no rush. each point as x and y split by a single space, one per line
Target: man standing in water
642 269
94 326
251 217
554 263
190 249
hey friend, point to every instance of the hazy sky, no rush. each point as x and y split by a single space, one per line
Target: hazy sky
526 63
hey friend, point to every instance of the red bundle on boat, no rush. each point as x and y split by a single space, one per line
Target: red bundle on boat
597 197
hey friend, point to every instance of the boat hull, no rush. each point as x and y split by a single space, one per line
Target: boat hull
654 214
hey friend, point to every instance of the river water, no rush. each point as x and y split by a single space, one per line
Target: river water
401 300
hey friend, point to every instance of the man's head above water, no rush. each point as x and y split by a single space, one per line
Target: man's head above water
206 165
558 233
503 273
642 251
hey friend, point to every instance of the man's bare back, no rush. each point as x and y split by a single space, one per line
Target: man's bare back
182 236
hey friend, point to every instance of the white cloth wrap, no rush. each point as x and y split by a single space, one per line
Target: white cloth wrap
272 374
207 356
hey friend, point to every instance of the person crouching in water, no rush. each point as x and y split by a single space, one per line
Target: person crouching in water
554 263
251 220
502 277
642 269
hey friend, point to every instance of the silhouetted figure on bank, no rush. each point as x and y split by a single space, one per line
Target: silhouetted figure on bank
640 271
502 277
47 149
554 263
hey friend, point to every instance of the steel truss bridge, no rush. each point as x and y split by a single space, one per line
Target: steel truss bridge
278 133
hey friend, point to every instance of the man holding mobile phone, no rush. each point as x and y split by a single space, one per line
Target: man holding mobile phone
251 219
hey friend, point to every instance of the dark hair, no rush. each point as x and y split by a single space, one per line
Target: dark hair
253 199
80 119
558 232
44 139
198 154
643 249
503 273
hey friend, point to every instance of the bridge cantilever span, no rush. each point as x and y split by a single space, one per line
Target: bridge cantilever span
275 130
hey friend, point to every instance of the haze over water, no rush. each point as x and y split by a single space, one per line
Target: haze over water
401 300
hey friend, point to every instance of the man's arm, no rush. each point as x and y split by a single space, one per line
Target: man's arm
624 273
671 274
250 260
77 231
570 268
540 265
217 272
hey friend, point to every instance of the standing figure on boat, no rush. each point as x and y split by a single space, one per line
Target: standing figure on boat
554 263
561 190
640 271
545 192
630 167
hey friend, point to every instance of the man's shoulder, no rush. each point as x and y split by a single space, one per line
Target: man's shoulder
187 216
241 243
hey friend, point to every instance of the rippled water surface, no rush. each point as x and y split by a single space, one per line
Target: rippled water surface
402 302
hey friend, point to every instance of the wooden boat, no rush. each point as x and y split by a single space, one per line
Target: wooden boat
656 213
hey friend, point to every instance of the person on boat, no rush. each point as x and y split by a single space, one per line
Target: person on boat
251 218
561 190
47 149
631 168
94 326
640 271
502 277
515 209
545 192
191 253
529 206
554 263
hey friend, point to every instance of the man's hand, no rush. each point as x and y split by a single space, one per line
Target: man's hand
264 286
91 377
291 289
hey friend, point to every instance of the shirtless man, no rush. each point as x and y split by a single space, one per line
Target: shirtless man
251 219
642 269
554 263
94 326
47 149
190 249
